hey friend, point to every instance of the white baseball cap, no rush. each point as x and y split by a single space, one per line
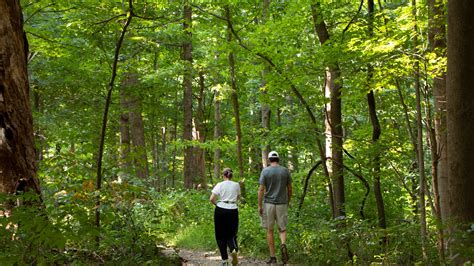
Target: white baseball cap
273 154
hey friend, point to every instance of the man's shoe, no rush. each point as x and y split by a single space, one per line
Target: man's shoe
272 260
235 260
225 263
284 253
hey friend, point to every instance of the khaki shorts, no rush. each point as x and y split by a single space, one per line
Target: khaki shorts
272 213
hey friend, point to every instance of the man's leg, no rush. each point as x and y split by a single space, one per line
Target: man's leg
282 220
283 237
271 242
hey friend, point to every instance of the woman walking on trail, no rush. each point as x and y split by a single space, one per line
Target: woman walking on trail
226 215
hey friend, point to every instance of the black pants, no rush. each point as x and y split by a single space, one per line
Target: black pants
226 225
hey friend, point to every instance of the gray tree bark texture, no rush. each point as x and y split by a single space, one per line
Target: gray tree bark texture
17 152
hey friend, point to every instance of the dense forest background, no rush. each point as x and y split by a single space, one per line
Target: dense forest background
138 106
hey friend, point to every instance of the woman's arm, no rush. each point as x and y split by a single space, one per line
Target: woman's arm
213 199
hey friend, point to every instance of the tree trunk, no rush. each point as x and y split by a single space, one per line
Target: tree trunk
155 158
17 151
376 160
201 134
460 122
217 135
421 160
189 162
437 42
265 108
124 130
137 130
234 96
415 148
333 85
105 118
164 158
174 138
376 130
39 138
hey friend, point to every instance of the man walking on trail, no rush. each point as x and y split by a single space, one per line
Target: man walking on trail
274 195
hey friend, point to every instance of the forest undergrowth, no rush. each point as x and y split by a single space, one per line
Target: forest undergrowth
137 220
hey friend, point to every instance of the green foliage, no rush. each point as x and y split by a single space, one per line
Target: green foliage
72 46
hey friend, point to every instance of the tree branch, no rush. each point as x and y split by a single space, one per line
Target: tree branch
106 111
354 17
364 182
110 19
306 182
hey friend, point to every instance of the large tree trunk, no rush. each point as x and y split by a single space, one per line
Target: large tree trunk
124 162
460 121
437 41
137 130
333 85
189 162
234 96
17 152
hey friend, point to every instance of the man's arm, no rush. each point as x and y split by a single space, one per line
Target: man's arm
290 192
261 191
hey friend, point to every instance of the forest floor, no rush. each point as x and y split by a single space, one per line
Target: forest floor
196 257
211 258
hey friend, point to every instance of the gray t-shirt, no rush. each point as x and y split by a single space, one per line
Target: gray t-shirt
275 179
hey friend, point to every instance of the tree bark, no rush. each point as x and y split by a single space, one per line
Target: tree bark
217 134
265 108
137 130
105 118
421 160
376 130
411 191
39 138
17 151
164 158
189 161
333 85
437 42
124 130
234 95
460 122
201 134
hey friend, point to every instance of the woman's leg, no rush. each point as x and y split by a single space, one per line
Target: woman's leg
233 223
220 231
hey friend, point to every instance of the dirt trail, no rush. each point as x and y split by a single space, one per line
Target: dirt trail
194 257
190 257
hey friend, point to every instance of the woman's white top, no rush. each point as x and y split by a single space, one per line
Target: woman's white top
228 193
